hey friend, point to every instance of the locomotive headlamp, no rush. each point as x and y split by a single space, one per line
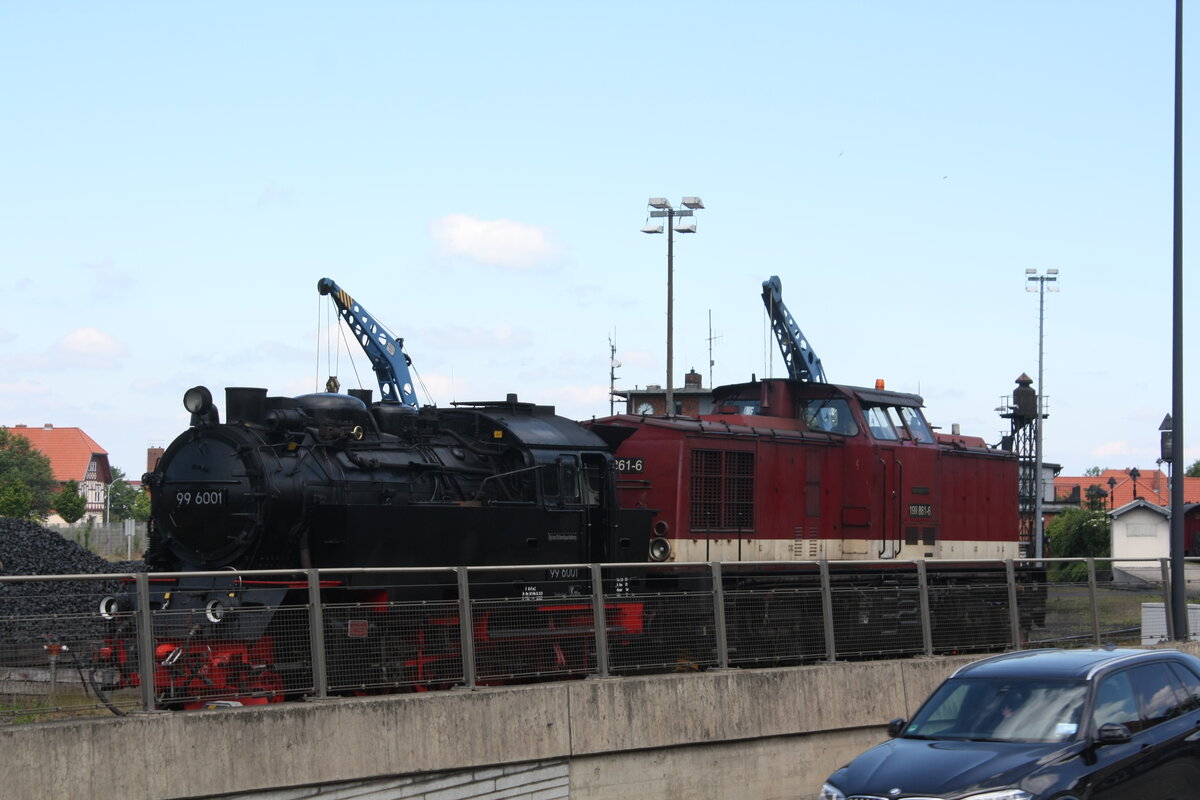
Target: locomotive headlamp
197 400
660 549
111 606
214 611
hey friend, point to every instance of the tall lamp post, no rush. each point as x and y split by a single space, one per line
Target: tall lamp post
1035 282
659 207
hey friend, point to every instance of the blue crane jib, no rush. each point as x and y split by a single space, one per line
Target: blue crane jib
801 360
386 352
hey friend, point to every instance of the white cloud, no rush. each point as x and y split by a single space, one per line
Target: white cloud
500 242
89 347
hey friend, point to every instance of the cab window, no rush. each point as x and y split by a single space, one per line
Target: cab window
560 480
918 429
830 415
880 422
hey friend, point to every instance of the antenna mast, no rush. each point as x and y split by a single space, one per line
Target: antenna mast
612 373
711 338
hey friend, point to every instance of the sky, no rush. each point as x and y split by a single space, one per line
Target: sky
175 178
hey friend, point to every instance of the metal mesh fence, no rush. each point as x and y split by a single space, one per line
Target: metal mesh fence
76 645
678 617
391 630
50 636
876 615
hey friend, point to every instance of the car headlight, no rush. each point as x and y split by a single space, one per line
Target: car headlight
830 792
1002 794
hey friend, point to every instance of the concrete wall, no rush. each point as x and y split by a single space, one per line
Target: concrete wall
758 734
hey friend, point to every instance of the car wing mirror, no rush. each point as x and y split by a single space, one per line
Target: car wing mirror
1114 733
895 726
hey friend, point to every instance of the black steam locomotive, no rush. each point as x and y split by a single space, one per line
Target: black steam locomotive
329 481
375 495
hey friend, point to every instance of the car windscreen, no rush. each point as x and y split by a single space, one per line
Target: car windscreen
1001 710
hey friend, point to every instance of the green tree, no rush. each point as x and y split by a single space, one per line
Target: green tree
121 497
69 503
141 506
16 500
1194 470
1077 533
1093 472
21 463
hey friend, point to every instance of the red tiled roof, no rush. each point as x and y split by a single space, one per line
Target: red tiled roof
1152 485
70 451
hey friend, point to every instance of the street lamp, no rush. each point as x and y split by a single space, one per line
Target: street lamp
1032 278
659 207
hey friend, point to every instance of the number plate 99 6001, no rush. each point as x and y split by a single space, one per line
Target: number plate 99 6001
199 498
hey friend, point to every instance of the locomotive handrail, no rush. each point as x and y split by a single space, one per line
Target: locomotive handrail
777 563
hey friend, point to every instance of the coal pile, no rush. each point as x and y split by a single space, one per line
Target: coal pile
38 612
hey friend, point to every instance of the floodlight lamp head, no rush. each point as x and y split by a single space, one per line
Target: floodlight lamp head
1030 271
692 202
685 227
1052 271
648 228
658 202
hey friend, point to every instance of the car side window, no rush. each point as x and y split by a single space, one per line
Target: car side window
1115 702
1161 695
1191 685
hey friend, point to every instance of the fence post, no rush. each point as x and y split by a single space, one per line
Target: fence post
718 585
1165 564
599 621
1092 591
145 640
827 611
1014 613
923 589
466 628
316 634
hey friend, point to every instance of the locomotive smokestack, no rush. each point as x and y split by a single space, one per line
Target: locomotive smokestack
245 404
511 397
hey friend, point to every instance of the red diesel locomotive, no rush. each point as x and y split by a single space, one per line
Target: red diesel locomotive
799 469
791 470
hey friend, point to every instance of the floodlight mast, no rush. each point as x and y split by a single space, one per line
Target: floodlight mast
1031 278
660 207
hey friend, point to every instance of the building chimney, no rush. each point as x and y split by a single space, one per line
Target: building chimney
692 380
153 454
49 426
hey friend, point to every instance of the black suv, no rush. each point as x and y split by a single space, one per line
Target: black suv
1096 724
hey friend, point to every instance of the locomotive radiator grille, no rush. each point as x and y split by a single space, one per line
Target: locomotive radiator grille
722 490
